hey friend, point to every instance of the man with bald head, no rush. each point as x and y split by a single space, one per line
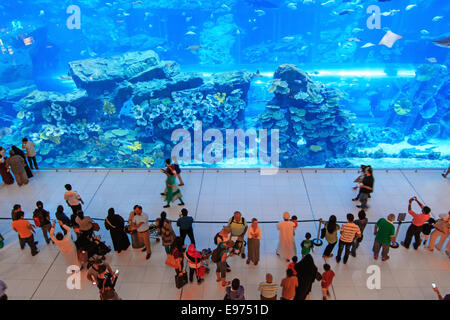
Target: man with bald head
384 233
268 289
286 247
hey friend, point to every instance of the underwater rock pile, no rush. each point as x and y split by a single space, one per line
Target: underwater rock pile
311 124
125 108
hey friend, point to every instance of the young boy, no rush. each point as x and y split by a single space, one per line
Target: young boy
306 245
327 280
292 264
294 220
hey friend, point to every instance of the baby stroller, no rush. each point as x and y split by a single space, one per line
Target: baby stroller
90 249
239 246
206 255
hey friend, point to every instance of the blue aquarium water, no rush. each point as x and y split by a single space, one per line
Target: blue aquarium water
232 83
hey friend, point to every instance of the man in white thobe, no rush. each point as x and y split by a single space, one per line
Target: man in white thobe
286 246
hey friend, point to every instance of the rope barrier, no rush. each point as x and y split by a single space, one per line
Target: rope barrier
225 222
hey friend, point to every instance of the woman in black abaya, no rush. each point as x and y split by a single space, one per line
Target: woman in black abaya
115 224
306 274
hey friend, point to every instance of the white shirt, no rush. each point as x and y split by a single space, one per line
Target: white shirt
137 219
72 197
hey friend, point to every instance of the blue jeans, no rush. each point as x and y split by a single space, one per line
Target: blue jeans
363 198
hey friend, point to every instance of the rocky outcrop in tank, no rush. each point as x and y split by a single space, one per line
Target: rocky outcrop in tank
312 126
422 105
100 74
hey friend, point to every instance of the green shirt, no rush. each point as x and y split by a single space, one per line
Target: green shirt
306 246
385 231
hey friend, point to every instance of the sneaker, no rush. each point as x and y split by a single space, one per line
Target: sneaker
384 259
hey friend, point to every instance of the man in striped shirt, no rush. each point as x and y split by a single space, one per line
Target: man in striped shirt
268 289
348 233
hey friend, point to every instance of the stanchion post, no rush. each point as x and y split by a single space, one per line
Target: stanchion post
401 217
318 242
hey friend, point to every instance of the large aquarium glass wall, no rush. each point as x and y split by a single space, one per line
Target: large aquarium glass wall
227 83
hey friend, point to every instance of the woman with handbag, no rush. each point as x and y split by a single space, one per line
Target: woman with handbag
115 224
106 283
329 232
193 258
165 231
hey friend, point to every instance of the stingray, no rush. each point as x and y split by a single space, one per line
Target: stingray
444 42
389 39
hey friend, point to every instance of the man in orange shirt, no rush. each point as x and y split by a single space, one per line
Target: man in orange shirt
25 231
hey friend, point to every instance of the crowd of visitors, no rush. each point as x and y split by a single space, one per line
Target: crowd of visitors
80 246
19 163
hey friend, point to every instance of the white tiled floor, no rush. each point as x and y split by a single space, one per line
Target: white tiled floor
212 195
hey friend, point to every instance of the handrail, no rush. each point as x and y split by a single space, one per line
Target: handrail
236 169
225 222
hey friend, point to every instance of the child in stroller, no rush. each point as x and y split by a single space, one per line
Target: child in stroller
90 249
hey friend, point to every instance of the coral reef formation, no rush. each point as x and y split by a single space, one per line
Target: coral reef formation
135 90
312 126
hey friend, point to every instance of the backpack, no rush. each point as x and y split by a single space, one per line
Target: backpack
216 237
232 220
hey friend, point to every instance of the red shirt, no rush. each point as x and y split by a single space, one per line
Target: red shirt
327 278
419 219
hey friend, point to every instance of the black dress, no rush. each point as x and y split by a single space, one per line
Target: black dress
306 274
115 225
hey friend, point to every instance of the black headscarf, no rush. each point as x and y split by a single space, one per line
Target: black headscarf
306 274
18 152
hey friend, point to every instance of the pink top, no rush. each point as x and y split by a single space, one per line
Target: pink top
254 234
